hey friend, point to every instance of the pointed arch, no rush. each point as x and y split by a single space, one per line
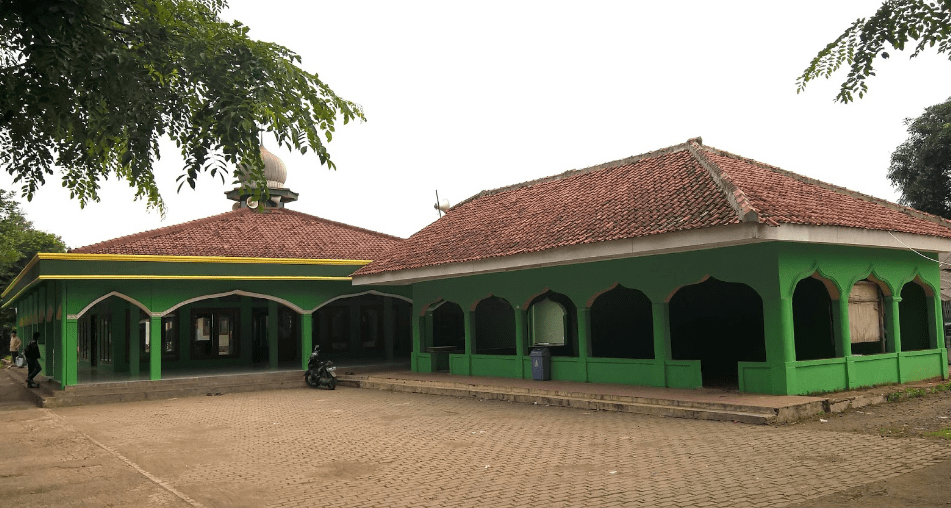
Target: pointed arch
871 276
595 296
237 292
832 286
353 295
678 288
433 305
127 298
530 299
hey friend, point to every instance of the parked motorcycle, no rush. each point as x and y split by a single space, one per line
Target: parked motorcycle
320 373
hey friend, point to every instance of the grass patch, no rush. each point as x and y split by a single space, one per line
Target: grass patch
914 393
943 433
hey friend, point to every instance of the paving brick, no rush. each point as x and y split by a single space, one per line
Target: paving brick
364 448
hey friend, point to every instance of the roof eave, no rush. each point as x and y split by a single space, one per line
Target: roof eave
679 241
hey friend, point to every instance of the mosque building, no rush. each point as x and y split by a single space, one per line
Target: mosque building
684 267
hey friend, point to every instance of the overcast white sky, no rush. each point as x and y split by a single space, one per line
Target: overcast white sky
466 96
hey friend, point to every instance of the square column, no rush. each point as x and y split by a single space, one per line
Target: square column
67 373
155 348
306 338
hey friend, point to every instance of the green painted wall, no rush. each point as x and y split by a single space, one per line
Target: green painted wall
771 269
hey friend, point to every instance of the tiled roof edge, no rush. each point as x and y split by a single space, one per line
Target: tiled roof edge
155 232
574 172
733 194
348 226
197 222
918 214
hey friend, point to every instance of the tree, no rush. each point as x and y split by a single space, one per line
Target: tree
895 23
921 166
90 86
19 242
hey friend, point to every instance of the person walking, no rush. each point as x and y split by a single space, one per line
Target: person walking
32 354
14 347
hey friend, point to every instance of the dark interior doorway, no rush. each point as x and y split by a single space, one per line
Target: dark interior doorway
720 324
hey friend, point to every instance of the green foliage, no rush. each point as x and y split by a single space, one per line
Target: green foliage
921 166
896 23
943 433
90 86
19 242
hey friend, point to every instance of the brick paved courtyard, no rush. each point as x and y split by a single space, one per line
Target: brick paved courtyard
353 447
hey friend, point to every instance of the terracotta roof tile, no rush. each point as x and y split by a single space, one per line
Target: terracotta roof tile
273 233
683 187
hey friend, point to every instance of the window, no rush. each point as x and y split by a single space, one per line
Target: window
866 318
548 323
214 333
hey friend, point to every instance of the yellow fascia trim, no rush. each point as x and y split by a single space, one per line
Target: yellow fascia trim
70 256
188 277
16 280
20 292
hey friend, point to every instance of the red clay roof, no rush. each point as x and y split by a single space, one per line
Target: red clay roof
682 187
273 233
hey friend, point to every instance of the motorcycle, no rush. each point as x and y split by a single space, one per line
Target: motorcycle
320 373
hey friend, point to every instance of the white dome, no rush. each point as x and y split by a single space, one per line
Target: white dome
275 172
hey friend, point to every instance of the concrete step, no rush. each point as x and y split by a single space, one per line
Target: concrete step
591 401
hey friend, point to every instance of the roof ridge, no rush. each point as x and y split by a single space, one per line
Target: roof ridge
574 172
732 192
918 214
348 226
174 228
157 231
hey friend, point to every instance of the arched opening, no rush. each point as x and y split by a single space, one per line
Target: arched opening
913 318
449 328
867 318
494 327
113 341
622 325
553 323
364 329
812 320
720 324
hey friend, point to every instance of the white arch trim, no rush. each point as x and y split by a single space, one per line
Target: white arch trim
108 295
229 293
370 292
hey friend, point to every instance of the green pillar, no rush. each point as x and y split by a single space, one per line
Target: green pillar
893 324
272 327
584 332
306 338
780 330
844 344
469 327
660 314
521 334
155 348
134 340
68 374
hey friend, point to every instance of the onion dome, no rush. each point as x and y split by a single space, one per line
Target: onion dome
275 173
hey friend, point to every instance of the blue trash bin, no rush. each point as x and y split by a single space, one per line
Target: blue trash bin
541 364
